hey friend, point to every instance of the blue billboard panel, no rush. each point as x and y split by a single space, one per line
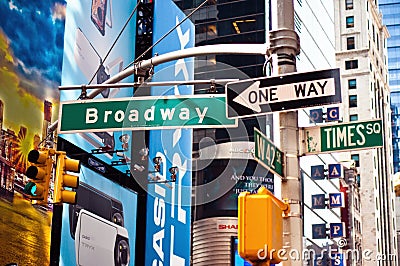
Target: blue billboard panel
101 228
91 57
168 211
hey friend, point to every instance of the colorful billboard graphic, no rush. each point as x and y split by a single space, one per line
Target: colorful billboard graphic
31 46
101 228
99 43
98 46
168 211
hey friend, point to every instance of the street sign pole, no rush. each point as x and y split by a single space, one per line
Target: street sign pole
284 47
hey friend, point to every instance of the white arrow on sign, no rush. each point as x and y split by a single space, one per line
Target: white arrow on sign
254 96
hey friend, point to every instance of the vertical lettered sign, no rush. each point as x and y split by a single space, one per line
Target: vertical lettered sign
169 203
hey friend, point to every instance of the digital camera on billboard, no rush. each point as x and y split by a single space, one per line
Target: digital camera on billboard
96 202
100 242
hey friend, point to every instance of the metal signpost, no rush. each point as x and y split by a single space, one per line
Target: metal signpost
343 136
136 113
267 154
284 92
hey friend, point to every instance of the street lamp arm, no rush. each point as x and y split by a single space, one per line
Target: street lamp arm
144 65
244 49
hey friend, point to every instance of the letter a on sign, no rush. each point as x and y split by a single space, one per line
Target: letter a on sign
335 170
317 172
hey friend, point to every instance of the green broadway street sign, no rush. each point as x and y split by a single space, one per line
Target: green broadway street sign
344 136
267 154
150 112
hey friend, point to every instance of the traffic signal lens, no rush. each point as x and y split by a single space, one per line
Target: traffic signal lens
71 181
68 196
32 172
72 165
33 156
29 188
32 189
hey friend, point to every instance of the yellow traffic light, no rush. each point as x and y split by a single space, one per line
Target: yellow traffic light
260 226
40 174
63 179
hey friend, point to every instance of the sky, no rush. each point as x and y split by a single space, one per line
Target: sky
31 50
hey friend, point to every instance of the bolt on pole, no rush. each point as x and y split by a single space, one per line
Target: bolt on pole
284 46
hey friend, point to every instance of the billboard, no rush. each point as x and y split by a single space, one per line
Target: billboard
97 47
101 228
168 211
31 44
226 179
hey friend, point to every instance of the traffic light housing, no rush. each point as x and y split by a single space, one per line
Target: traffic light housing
260 226
39 173
63 179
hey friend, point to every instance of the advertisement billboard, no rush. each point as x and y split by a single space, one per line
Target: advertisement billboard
101 228
168 211
97 47
98 44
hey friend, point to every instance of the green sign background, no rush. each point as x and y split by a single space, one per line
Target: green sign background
150 112
344 136
352 136
267 154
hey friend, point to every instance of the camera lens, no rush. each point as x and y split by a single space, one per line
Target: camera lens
118 219
123 253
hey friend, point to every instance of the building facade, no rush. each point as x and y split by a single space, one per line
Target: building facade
345 34
362 56
242 21
391 18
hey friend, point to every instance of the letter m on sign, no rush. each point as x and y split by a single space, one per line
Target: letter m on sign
318 201
336 200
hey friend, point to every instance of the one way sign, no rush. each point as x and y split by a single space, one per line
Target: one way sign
272 94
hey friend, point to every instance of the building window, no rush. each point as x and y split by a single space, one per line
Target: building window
352 84
356 159
349 4
353 117
353 101
351 64
350 22
350 43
